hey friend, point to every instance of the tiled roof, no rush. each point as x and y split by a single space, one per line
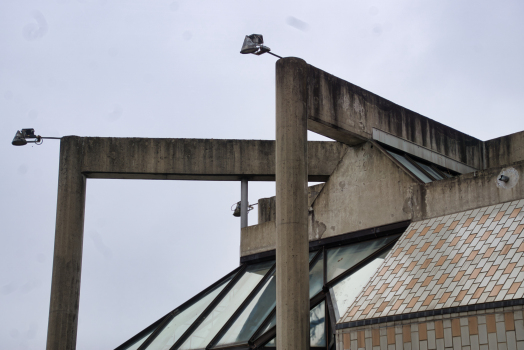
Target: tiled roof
471 257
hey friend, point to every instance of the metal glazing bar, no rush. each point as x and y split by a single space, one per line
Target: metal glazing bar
143 332
315 258
440 172
185 305
324 267
402 166
330 315
241 308
208 309
360 264
258 339
416 165
265 338
258 332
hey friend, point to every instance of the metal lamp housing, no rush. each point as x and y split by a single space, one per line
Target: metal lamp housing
19 139
249 45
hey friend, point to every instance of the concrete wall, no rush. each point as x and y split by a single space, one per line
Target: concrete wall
491 329
267 207
258 238
504 150
366 190
197 159
348 113
469 191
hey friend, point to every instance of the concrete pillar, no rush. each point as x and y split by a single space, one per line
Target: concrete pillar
243 203
67 259
292 245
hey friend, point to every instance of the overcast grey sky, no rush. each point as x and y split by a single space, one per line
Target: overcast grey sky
173 69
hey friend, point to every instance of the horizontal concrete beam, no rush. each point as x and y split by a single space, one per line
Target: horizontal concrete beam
347 113
196 159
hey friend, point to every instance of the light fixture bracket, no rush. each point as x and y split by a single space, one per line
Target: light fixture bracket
254 44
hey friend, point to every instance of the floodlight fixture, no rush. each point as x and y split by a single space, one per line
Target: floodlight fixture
237 210
21 137
254 44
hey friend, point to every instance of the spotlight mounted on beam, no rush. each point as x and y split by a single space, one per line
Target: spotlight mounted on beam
254 44
21 137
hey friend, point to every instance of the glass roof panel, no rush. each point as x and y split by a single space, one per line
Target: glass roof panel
272 323
317 325
340 259
205 332
253 315
446 172
316 276
430 170
317 328
140 341
181 322
311 255
346 291
410 167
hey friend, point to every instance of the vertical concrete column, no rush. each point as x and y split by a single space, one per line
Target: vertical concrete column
67 259
292 245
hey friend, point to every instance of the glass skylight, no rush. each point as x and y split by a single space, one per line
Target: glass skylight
425 171
240 310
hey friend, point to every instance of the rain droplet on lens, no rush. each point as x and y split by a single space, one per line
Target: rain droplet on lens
36 30
377 29
297 24
174 6
187 35
14 333
31 333
8 288
22 169
115 113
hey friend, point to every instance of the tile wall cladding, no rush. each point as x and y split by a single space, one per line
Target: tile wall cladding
471 257
495 329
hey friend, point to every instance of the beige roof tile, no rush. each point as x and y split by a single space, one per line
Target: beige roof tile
472 257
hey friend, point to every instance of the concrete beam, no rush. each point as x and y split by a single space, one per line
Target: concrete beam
347 113
197 159
134 158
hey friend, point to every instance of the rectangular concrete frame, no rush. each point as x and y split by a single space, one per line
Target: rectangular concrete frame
141 158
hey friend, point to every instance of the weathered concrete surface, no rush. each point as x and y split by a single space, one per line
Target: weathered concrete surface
348 113
258 238
197 159
467 192
366 190
67 258
267 207
504 150
291 169
385 195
